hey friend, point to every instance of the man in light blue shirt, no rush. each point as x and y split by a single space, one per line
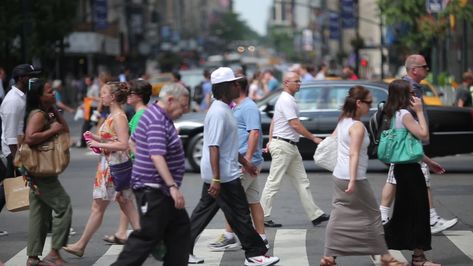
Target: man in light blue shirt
248 120
220 171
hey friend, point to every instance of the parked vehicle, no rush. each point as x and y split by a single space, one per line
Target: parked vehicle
430 94
158 81
451 128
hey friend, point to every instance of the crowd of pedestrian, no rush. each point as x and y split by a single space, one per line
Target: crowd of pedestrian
141 166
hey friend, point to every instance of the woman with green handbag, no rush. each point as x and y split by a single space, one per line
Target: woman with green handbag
409 227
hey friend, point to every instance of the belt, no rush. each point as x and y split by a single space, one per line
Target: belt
286 140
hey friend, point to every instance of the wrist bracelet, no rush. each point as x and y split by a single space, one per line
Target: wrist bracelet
172 185
216 180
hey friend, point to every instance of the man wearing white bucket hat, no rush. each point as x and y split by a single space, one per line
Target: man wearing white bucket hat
221 173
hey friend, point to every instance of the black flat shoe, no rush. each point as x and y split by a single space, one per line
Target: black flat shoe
270 223
322 218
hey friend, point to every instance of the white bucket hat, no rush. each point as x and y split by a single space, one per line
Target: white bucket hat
222 74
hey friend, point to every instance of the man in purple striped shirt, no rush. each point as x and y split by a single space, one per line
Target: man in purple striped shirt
157 175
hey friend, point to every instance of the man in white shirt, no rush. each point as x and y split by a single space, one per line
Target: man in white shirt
284 134
12 113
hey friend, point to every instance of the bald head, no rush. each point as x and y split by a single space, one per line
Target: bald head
413 61
292 82
290 76
416 67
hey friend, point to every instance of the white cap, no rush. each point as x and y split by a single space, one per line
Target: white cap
222 74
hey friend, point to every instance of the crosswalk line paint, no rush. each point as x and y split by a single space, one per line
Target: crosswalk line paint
290 247
110 256
463 240
398 255
202 251
21 257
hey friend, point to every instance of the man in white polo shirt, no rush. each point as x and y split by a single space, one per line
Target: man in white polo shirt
284 134
12 113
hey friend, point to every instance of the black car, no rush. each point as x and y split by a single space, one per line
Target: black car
451 128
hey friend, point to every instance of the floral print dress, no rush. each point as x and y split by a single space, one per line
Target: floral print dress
103 186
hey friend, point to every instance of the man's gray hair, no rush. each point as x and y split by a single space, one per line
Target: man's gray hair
173 89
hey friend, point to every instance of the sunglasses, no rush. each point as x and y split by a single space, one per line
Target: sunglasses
367 102
426 67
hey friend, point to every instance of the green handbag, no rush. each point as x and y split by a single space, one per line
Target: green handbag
398 145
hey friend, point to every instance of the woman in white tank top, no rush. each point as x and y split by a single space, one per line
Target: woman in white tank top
355 226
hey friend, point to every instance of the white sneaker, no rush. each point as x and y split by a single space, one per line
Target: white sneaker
261 261
384 222
195 260
3 233
442 224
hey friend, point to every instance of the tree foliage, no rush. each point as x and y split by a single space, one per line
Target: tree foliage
44 22
231 28
421 28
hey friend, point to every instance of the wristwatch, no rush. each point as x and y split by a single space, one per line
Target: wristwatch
173 185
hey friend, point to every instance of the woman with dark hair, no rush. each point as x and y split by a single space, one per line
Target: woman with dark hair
112 141
409 227
43 122
138 98
355 226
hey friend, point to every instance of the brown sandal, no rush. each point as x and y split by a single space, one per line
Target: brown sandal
114 240
328 261
421 260
37 262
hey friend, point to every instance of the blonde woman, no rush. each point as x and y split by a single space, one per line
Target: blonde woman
112 140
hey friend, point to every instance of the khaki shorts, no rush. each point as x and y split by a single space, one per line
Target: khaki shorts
250 185
425 170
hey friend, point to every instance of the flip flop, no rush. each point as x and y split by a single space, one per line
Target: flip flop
113 239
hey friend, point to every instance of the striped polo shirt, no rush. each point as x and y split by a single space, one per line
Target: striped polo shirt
156 135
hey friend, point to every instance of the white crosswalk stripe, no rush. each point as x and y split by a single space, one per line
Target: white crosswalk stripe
290 245
463 240
21 257
202 251
110 256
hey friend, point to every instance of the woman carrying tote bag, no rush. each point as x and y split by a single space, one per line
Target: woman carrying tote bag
45 122
409 227
355 225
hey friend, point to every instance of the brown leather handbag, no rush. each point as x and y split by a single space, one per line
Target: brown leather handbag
49 158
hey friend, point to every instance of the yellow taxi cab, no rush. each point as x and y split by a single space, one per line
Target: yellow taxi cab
429 93
158 81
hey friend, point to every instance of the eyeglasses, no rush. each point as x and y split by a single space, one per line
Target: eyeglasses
31 81
295 81
426 67
367 102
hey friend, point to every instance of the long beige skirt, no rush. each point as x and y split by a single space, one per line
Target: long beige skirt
355 226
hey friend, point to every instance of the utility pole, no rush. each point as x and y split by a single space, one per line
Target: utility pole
381 41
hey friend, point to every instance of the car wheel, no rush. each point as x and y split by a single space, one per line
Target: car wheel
194 152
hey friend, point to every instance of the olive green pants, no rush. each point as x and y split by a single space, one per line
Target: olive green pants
51 197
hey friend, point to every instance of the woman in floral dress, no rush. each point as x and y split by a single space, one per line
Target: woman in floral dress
112 141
